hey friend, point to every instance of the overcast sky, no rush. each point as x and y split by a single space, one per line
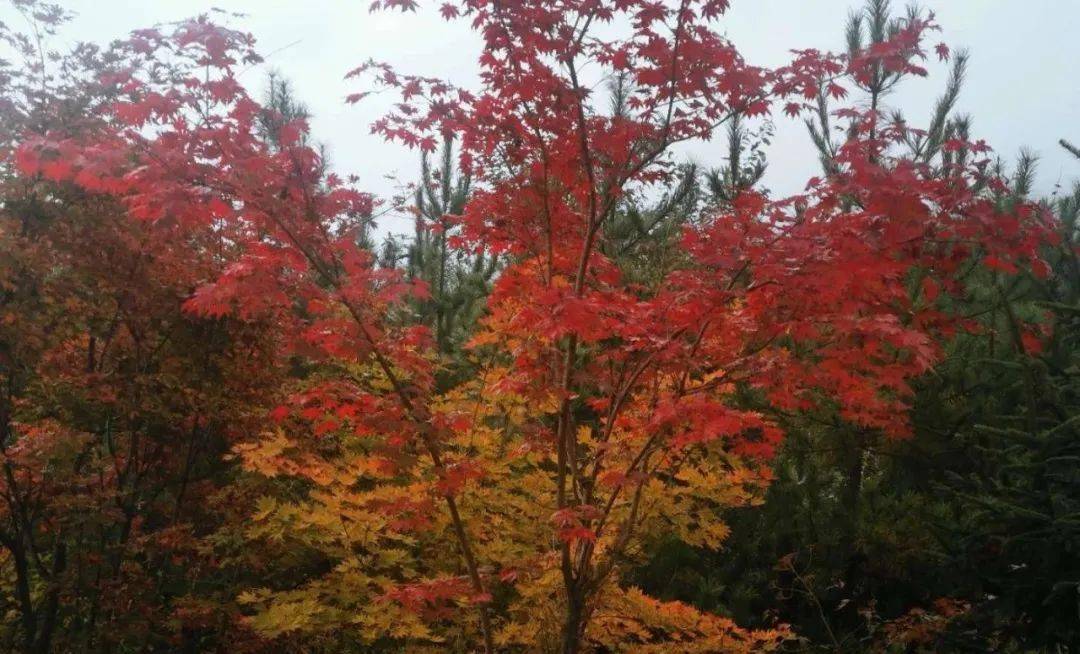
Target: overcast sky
1023 88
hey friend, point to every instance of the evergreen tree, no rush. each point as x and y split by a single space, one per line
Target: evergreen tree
457 280
746 163
867 29
1019 503
853 544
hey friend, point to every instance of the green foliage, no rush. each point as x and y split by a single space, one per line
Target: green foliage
457 280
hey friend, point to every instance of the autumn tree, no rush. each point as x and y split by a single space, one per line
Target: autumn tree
604 407
117 406
639 383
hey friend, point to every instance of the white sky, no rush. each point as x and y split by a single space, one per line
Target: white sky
1023 87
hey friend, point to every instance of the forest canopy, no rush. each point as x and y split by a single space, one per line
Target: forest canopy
601 399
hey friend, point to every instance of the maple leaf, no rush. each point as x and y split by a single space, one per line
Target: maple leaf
996 263
28 158
1033 344
837 91
280 413
448 11
291 132
577 533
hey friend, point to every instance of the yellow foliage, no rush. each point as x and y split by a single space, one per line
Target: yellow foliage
354 508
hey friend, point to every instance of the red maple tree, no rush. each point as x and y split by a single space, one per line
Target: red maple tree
830 297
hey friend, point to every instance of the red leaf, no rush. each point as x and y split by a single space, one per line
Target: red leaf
448 11
997 263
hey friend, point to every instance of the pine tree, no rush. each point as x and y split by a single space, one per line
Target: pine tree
457 280
1020 502
646 231
846 539
746 164
866 29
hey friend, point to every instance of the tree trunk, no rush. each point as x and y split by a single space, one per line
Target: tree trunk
574 624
